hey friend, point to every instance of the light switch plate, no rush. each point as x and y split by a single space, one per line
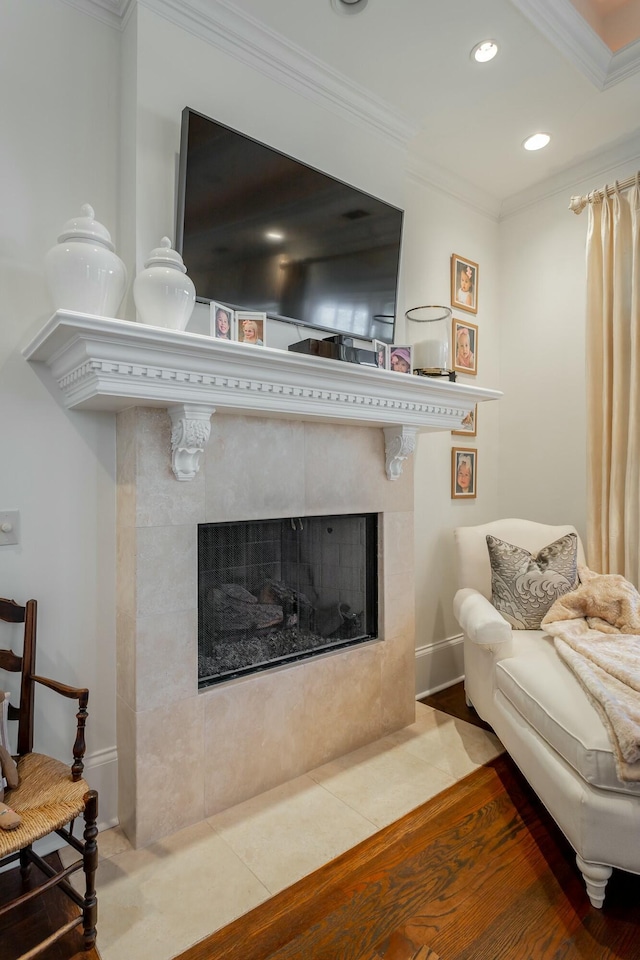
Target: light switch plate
9 527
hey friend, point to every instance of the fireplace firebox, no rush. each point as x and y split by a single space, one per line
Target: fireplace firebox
274 591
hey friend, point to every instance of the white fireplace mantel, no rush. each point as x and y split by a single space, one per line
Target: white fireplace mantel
105 364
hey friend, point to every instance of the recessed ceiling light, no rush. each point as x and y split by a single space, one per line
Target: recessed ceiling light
349 7
484 51
274 235
537 141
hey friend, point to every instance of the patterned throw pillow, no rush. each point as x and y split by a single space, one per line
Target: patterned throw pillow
523 587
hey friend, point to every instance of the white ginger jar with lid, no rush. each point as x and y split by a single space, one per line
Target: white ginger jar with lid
163 293
83 272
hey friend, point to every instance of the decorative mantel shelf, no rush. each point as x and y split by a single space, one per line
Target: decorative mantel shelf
105 364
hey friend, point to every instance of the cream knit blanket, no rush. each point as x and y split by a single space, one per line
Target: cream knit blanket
596 631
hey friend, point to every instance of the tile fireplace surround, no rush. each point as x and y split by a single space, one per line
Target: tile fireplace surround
291 436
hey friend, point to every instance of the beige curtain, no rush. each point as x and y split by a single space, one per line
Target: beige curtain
613 383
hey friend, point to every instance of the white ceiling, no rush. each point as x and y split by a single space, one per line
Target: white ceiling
404 67
410 59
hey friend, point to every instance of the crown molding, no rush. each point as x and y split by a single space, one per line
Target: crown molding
625 63
429 174
112 12
241 36
562 25
589 174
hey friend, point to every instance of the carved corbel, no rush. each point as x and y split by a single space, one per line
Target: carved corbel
399 443
190 430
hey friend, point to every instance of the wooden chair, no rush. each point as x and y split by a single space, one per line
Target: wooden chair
50 794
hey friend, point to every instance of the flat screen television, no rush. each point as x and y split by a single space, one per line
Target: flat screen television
259 230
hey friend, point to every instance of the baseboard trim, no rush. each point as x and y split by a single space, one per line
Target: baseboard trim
101 773
443 686
439 665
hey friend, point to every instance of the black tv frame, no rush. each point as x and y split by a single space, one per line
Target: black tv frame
381 325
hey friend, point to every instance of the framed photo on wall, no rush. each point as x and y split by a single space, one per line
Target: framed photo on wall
251 327
222 320
464 337
401 358
382 354
469 425
464 283
464 469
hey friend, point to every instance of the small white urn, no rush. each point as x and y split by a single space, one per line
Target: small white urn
83 272
163 293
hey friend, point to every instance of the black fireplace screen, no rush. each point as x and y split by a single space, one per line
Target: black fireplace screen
273 591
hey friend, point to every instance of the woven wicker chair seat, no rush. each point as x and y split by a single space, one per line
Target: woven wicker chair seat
46 798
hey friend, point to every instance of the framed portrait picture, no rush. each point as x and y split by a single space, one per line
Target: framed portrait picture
380 350
464 283
469 424
464 337
222 320
464 470
251 327
401 358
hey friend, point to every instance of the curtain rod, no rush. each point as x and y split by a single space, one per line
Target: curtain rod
577 204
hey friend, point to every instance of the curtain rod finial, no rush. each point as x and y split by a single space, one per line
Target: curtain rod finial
577 204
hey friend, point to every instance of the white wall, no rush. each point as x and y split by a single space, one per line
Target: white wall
542 418
437 225
542 456
59 150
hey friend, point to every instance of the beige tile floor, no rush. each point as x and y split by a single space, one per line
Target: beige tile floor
155 902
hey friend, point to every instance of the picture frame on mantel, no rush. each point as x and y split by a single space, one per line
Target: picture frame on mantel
464 283
251 327
469 424
464 469
382 354
222 320
400 357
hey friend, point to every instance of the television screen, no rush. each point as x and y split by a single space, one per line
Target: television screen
259 230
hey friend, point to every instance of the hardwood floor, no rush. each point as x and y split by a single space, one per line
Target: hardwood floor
31 923
481 872
478 873
452 701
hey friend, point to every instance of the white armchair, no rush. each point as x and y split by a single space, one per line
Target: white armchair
518 684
